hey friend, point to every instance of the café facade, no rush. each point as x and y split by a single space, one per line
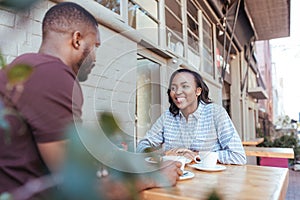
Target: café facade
144 41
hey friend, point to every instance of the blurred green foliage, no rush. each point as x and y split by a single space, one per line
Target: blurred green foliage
80 180
2 61
285 141
18 74
214 196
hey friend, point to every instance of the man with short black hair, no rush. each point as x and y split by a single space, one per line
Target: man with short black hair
50 99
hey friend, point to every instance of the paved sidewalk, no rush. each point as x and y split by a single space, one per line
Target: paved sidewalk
293 192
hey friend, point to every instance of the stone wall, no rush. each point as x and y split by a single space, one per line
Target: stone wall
111 85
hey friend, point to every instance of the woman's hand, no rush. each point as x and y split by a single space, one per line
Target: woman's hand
181 152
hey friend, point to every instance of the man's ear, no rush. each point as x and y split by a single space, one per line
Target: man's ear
76 39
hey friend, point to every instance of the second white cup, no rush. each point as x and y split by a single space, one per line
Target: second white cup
207 158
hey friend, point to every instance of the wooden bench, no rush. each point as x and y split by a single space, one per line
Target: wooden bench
253 142
269 152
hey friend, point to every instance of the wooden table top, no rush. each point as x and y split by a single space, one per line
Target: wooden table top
253 142
269 152
236 182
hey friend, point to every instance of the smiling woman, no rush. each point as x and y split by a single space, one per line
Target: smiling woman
193 123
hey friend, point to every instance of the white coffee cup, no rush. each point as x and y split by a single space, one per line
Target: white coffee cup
207 158
181 159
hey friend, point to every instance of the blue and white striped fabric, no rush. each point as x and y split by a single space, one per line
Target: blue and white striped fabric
209 128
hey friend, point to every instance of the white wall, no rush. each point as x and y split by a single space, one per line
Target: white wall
21 32
111 85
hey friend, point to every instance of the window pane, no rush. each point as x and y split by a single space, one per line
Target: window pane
208 67
193 41
174 6
173 23
192 25
174 43
148 103
207 54
207 42
151 6
206 26
192 9
113 5
193 58
207 48
142 22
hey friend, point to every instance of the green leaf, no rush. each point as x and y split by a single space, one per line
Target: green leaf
18 74
108 124
214 196
2 61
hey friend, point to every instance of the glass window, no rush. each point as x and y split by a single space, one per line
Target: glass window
148 99
207 47
193 41
193 56
174 6
113 5
143 16
150 6
174 36
192 9
173 24
193 25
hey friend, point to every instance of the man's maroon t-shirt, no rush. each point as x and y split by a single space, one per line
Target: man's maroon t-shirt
51 99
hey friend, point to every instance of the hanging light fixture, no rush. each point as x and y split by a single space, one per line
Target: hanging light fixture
220 33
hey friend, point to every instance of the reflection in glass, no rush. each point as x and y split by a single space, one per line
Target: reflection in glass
151 6
174 7
207 50
173 23
142 20
193 42
113 5
148 103
192 25
192 9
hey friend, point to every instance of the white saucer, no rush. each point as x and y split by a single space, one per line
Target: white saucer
211 169
186 175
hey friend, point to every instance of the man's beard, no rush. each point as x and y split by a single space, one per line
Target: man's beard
85 65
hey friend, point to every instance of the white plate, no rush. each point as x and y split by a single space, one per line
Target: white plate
211 169
186 175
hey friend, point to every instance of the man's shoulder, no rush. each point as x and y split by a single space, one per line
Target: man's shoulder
35 59
44 64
